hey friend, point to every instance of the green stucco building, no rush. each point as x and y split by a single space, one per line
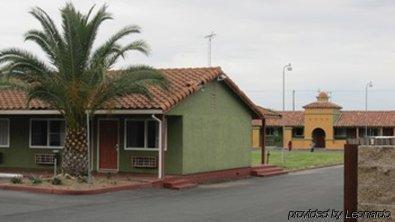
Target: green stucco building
201 123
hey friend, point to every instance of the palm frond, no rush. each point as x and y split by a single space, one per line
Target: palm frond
111 45
139 45
73 78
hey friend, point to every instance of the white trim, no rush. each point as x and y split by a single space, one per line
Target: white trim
56 112
145 148
48 120
160 144
98 145
8 136
141 149
29 112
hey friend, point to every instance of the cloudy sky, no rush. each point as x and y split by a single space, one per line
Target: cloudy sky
334 45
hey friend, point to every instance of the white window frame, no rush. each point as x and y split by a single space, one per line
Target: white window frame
145 148
48 120
8 136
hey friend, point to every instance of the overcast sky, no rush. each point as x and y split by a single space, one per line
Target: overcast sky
334 45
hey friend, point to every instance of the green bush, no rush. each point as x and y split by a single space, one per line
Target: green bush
16 180
56 180
35 180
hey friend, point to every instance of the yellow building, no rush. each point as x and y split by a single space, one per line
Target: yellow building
323 124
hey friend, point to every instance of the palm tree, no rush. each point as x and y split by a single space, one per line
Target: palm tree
73 79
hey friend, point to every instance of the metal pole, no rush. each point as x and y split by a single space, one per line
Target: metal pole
282 150
284 88
263 138
366 111
209 52
293 100
209 37
369 84
289 68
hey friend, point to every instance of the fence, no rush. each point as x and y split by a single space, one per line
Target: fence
373 141
373 152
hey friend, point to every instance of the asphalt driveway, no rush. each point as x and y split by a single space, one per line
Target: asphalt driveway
255 199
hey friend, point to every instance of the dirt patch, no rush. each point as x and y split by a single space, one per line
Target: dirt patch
100 183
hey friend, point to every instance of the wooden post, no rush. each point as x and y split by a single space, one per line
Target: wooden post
350 179
262 136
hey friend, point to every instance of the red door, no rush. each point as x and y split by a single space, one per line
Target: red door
108 144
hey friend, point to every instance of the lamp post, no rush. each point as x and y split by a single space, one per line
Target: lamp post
287 67
369 84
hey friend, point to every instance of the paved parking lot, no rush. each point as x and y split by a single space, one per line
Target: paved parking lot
255 199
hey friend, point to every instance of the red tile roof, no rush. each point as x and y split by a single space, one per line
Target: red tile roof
288 118
362 118
322 105
182 83
16 100
346 119
267 113
322 102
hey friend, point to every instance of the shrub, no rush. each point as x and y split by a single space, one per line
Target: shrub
108 175
82 179
16 180
35 180
56 180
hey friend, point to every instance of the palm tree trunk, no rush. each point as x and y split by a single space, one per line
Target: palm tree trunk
74 153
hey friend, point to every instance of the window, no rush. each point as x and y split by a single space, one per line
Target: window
4 133
47 133
340 132
373 132
297 132
141 134
270 131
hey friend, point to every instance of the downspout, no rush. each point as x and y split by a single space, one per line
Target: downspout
88 145
160 167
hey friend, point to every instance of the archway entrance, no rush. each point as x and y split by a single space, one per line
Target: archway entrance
319 138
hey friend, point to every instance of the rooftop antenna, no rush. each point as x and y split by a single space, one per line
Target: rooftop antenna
209 37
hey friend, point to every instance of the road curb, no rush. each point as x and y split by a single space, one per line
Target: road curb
312 168
74 192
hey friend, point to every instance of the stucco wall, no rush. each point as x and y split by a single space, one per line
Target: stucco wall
319 118
173 155
376 178
18 154
217 130
256 137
